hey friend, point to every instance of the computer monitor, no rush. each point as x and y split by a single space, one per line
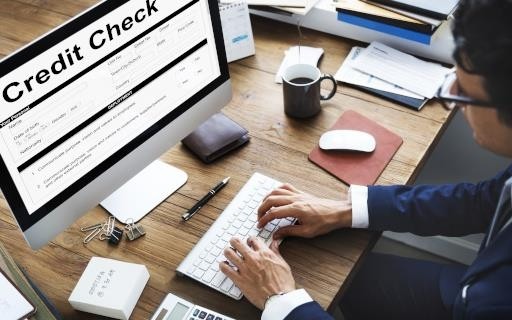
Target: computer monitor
90 104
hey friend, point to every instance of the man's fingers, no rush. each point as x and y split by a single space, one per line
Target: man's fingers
277 213
288 186
241 247
274 246
255 243
273 201
232 256
229 271
289 231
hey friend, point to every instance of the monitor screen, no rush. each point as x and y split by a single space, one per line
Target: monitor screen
82 97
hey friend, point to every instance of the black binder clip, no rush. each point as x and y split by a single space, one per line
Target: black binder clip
115 236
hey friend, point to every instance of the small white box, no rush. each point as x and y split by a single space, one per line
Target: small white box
109 288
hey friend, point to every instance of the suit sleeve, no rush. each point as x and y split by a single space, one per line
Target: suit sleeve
450 210
309 311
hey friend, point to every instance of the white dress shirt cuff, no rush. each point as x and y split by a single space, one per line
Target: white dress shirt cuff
279 307
359 198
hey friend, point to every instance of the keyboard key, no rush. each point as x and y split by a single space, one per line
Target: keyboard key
270 227
215 266
226 285
197 262
191 269
243 231
226 237
253 204
253 217
210 258
264 234
216 251
198 273
232 230
208 276
237 224
235 291
247 210
248 224
218 278
221 244
204 265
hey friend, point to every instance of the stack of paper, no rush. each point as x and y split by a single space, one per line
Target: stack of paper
292 6
386 17
393 74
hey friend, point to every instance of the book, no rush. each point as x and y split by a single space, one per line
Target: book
433 21
358 167
45 310
368 23
435 9
377 13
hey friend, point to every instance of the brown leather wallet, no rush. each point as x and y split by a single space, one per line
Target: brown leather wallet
215 137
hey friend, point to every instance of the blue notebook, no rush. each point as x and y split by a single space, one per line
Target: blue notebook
385 28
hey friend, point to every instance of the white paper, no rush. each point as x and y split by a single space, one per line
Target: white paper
401 69
12 304
306 55
287 3
237 31
348 74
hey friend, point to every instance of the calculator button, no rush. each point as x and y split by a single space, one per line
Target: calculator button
218 318
210 317
202 315
196 312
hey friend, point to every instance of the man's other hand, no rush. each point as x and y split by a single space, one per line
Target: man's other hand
259 271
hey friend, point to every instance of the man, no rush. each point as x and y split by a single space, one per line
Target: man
390 287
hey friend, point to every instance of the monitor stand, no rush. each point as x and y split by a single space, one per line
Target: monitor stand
144 192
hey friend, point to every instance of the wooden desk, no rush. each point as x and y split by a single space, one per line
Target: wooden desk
279 147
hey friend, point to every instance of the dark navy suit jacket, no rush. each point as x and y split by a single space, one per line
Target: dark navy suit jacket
449 210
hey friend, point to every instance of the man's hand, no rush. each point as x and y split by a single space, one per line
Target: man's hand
316 216
258 271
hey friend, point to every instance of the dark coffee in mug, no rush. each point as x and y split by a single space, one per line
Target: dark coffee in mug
301 80
301 90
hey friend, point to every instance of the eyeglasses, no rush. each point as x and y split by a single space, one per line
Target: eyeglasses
450 95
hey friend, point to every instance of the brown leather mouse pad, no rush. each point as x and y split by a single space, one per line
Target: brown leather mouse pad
355 167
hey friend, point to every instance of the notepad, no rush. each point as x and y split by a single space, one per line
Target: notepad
237 30
13 305
359 168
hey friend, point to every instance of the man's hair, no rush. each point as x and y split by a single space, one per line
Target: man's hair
483 45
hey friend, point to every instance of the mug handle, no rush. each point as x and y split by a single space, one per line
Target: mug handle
327 76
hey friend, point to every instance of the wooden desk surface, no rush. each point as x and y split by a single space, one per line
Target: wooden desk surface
279 147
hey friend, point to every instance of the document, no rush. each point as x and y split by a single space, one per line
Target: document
348 74
13 305
401 69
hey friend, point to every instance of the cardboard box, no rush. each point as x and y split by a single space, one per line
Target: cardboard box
109 288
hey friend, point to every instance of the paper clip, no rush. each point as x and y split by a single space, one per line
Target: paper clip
93 227
92 235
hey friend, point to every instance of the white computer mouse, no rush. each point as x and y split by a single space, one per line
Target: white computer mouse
347 140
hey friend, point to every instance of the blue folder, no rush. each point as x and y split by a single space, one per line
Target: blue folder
385 28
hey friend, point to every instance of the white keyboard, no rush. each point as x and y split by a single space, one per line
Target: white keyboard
238 219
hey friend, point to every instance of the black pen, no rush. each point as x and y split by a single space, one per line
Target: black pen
204 199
